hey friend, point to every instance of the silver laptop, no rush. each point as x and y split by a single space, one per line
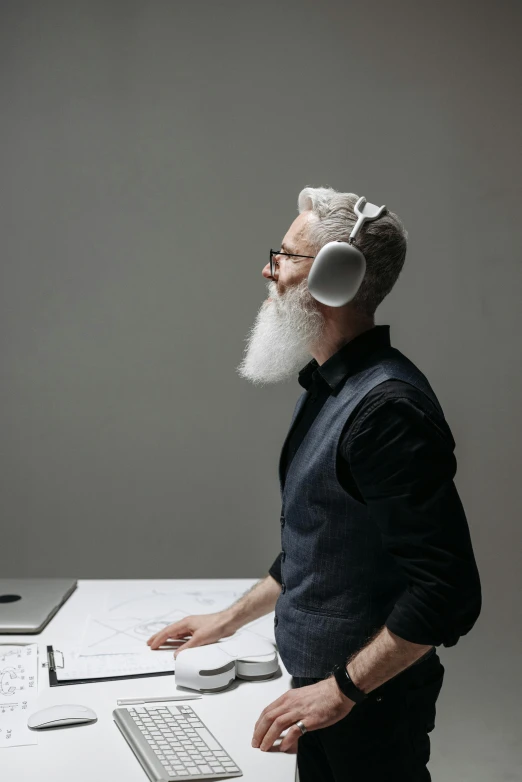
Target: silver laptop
28 604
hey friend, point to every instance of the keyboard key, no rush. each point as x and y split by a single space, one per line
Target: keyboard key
208 738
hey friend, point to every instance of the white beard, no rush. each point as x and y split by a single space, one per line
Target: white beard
280 341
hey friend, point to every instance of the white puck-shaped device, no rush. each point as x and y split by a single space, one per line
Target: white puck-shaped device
214 667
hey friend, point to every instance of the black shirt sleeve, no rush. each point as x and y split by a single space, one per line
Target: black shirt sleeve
400 454
275 570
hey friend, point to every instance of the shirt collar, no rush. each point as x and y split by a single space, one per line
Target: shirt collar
344 363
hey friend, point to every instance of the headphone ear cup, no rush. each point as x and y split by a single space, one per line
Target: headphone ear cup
336 273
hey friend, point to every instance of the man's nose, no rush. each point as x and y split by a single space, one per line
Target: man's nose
266 272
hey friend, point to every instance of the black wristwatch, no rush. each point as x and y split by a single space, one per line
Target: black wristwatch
345 684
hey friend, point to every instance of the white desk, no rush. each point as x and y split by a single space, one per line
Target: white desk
98 751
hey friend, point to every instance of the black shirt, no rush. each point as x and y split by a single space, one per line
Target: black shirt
396 456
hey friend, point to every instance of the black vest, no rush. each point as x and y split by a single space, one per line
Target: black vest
338 583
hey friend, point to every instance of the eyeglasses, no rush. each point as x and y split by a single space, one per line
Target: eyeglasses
289 255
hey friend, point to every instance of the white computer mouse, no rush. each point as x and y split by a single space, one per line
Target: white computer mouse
54 716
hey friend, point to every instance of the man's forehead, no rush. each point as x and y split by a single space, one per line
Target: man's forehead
296 238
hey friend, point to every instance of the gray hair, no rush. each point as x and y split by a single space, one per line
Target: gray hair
383 242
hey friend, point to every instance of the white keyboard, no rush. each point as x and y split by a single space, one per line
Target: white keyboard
172 743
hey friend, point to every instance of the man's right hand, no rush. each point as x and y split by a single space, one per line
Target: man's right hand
202 629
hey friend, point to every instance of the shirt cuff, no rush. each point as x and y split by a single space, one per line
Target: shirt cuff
275 570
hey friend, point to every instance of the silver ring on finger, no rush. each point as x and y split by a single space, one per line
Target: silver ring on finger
302 727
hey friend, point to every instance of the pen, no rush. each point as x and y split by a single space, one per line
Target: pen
127 701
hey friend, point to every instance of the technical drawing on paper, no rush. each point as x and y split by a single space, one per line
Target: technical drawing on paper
157 603
129 621
16 675
18 688
107 634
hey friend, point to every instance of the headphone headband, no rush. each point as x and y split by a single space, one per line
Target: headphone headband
365 213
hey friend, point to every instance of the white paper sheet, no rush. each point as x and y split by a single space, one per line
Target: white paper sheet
77 666
18 692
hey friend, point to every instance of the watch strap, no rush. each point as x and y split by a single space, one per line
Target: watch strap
346 685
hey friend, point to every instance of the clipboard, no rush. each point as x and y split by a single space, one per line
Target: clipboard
53 664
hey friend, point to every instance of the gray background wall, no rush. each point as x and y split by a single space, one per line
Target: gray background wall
151 154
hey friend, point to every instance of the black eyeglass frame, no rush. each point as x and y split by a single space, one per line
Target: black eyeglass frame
290 255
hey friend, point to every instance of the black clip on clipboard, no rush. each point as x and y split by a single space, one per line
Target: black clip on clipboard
52 665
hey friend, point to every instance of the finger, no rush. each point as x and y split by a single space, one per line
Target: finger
178 630
263 724
279 704
157 636
196 640
152 639
276 746
280 724
289 742
268 716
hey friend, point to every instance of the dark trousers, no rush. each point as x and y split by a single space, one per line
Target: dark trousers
383 739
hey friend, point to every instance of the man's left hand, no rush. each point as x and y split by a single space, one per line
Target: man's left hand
317 706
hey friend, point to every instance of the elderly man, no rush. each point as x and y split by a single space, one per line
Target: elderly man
377 566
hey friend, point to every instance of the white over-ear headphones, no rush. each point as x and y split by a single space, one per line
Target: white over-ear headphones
339 267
